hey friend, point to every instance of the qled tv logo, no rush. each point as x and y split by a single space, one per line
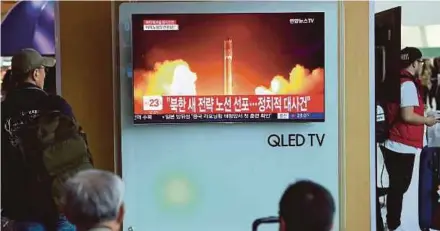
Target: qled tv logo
160 25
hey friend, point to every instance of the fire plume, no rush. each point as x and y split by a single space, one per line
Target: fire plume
174 78
300 82
167 78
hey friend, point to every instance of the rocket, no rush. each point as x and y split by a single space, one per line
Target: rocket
227 71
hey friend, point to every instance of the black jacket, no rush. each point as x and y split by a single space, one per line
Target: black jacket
20 106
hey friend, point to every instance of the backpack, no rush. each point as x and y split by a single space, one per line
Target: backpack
382 126
53 148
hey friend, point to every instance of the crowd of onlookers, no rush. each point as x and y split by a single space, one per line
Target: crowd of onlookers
430 74
48 179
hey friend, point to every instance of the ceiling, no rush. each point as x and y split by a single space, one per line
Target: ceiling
420 21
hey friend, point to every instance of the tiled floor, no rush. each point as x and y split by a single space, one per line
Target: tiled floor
410 201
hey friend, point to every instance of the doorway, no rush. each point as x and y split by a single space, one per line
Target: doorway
387 61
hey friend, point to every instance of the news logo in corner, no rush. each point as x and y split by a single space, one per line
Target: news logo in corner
160 25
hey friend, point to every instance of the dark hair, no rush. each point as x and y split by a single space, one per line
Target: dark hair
21 77
307 206
8 83
436 64
11 79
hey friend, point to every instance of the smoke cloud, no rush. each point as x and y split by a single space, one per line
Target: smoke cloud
167 78
300 82
174 77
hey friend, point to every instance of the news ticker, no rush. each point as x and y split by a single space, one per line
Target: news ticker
231 104
160 25
233 117
171 25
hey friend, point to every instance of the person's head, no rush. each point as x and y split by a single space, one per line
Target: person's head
411 60
306 206
94 198
29 66
426 73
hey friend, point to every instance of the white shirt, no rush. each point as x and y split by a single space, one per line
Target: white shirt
408 98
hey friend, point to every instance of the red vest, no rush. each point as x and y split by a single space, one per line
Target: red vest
400 131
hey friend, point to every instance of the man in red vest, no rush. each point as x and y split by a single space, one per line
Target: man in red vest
406 128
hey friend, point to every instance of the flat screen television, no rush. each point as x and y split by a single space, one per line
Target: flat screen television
241 67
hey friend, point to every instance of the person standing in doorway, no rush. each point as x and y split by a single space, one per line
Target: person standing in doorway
406 128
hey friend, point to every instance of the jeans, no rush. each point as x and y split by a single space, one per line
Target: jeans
400 169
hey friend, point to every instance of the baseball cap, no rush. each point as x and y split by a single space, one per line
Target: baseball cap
29 59
408 55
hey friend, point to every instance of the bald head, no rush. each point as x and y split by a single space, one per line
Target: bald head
93 197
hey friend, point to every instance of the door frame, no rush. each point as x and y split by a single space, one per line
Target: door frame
394 71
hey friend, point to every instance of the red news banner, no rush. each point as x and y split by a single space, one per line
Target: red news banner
232 104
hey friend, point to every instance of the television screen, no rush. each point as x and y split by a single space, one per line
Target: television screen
241 67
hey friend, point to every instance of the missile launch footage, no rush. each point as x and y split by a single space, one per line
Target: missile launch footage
264 67
228 67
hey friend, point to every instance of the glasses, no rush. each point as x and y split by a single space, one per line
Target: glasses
421 61
46 70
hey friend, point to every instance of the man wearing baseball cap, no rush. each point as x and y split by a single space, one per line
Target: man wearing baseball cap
406 122
24 102
29 66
